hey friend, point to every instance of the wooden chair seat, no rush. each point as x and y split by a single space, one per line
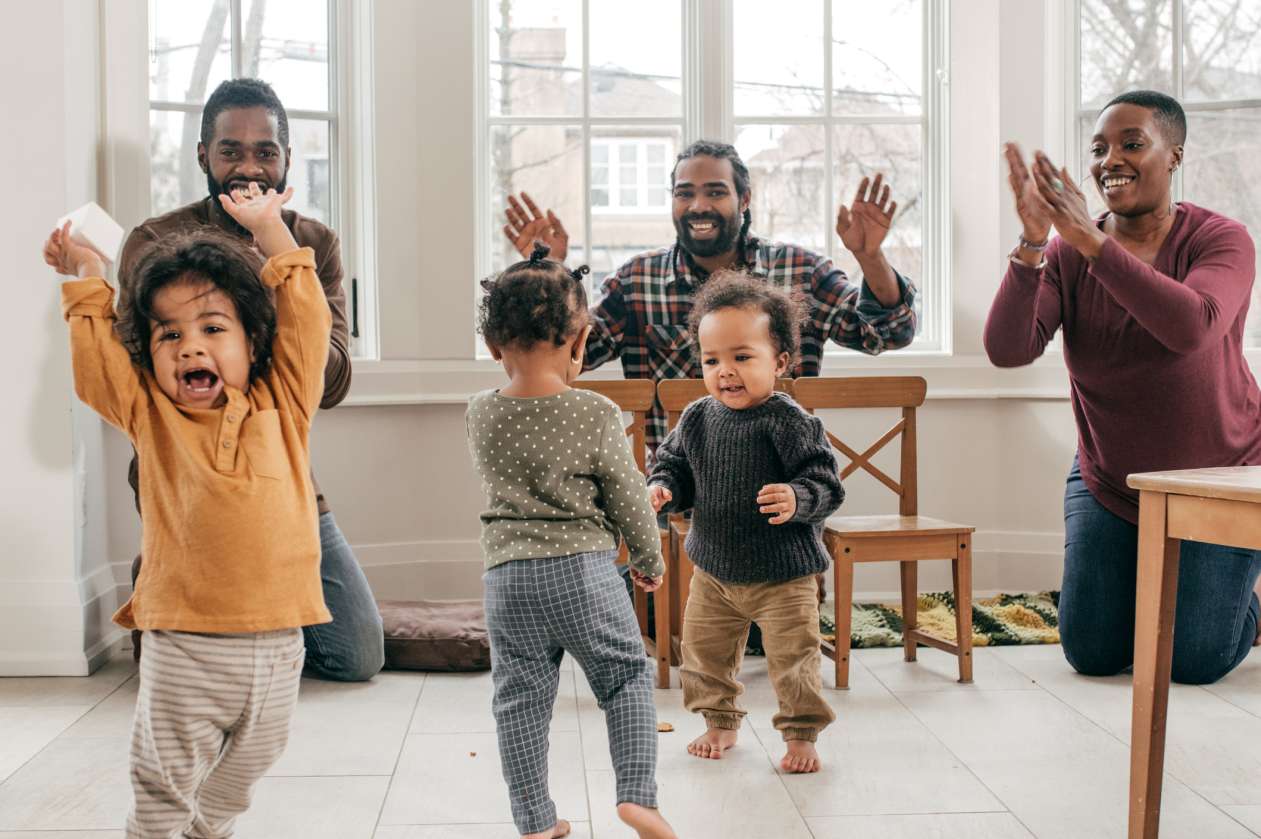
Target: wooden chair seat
869 527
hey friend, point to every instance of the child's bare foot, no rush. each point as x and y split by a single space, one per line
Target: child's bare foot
713 743
801 757
645 821
561 828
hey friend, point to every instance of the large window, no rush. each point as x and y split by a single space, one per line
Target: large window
584 107
1205 53
196 44
587 104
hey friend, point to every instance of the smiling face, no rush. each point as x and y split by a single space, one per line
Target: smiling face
738 356
707 210
198 344
245 148
1132 160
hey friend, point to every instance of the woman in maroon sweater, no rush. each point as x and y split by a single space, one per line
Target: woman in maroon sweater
1152 299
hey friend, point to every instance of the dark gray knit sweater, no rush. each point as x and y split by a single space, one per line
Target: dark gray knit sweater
717 460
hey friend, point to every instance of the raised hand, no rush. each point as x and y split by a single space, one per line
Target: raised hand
1034 212
1066 205
259 213
864 224
658 497
526 224
69 258
779 501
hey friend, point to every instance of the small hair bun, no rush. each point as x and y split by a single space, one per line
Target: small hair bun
539 253
579 272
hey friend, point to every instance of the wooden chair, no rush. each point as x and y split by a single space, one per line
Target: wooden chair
675 395
905 538
635 397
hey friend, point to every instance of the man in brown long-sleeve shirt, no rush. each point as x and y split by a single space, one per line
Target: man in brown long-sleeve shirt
244 138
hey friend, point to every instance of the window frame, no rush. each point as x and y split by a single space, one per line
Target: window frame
349 117
708 111
614 184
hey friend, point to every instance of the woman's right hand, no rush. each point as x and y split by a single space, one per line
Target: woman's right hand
526 224
69 258
1034 212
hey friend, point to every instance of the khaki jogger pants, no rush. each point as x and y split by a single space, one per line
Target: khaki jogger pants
212 716
715 625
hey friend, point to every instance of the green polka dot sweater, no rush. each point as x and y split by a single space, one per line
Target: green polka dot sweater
559 479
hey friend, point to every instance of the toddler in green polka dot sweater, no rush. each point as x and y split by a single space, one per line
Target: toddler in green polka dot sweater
562 492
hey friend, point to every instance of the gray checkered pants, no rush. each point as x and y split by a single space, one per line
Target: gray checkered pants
536 610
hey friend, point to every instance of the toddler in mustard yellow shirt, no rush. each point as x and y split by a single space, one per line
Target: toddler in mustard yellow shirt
214 372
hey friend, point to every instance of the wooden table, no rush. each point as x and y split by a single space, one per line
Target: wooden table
1219 506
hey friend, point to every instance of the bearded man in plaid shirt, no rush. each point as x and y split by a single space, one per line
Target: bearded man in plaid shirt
642 314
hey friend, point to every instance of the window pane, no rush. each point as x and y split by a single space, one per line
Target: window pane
877 56
189 48
1222 50
309 170
545 161
1222 171
285 42
536 57
786 168
862 151
636 58
620 233
778 57
1125 44
175 177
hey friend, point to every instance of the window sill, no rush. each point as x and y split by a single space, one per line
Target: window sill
387 383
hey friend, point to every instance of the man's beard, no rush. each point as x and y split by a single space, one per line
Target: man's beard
728 229
217 189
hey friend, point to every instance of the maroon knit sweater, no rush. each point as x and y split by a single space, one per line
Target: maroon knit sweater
1154 352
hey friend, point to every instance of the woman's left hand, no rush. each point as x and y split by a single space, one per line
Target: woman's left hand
1069 214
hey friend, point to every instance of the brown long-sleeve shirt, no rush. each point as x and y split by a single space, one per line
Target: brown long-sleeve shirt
308 233
231 541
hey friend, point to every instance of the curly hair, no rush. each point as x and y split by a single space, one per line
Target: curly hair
534 300
204 255
741 290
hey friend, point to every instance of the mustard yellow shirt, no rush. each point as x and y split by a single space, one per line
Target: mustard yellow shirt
230 530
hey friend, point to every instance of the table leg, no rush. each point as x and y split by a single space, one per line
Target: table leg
1153 658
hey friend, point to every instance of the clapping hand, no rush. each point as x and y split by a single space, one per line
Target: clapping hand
864 224
526 224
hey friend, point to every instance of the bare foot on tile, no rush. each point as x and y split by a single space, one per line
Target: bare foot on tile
801 757
558 830
645 821
713 743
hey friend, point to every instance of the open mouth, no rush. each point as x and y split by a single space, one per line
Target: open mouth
702 228
199 381
1114 183
732 390
244 186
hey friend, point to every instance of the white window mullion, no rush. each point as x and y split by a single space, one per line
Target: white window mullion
588 245
829 158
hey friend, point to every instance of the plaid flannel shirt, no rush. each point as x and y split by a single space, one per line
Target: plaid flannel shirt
642 316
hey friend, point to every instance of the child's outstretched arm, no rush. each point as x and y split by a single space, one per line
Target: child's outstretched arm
104 376
814 491
671 485
303 319
626 499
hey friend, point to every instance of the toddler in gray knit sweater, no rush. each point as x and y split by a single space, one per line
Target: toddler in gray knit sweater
760 478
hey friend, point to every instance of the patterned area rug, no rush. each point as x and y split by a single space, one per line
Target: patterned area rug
1005 620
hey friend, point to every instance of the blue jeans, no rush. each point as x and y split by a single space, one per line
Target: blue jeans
1215 620
352 647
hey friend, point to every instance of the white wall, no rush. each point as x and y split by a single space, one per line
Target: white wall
994 444
56 587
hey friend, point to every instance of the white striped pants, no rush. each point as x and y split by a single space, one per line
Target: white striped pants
212 717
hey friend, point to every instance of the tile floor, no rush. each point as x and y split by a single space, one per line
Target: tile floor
1029 750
